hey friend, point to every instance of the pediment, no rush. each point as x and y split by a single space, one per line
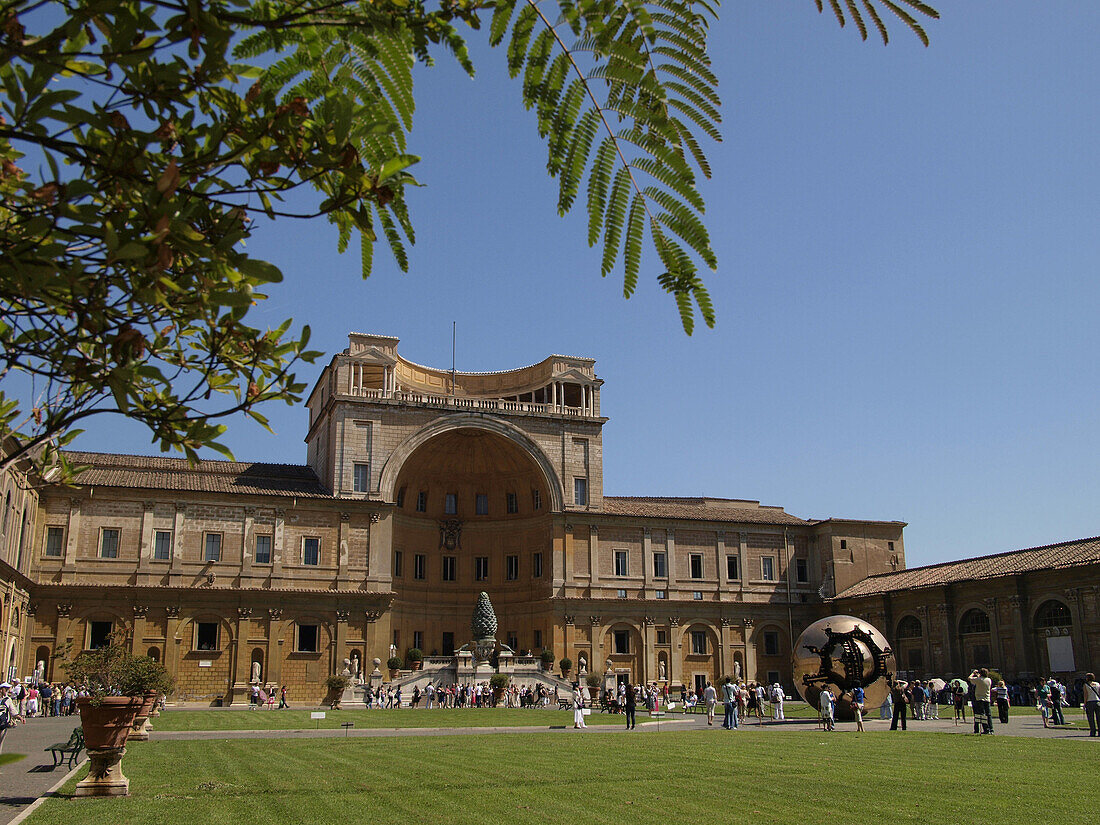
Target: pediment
373 355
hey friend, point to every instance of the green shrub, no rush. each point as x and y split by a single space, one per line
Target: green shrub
547 656
593 680
114 670
414 654
566 664
395 663
498 682
337 683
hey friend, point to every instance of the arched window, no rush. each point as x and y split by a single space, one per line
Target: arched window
1052 613
910 628
974 621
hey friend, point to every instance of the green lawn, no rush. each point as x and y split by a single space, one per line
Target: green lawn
405 718
637 778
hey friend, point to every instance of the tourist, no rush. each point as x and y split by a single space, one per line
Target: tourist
729 703
761 698
898 695
826 702
916 706
30 708
777 702
1092 703
983 686
282 698
578 707
416 697
1056 694
630 704
9 712
958 695
710 696
858 698
1000 696
254 697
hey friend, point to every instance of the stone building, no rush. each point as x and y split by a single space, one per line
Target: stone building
421 488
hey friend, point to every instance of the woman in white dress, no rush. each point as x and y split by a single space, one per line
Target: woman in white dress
578 707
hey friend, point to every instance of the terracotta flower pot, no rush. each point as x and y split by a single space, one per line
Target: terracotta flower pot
106 725
140 728
417 664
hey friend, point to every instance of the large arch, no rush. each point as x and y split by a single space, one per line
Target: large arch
478 421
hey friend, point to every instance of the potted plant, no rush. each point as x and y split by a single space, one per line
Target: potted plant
499 683
415 658
336 685
118 685
547 659
394 664
566 665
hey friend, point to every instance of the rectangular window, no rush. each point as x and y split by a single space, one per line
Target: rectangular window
422 501
206 636
449 566
697 595
621 593
622 641
580 492
512 502
538 639
733 567
450 504
481 568
362 478
308 638
448 647
311 551
401 497
660 566
536 500
99 634
418 640
801 571
536 567
419 563
843 544
162 545
620 563
767 568
481 504
890 546
108 543
771 643
55 540
263 550
511 568
397 559
662 637
212 547
696 566
513 640
699 642
660 594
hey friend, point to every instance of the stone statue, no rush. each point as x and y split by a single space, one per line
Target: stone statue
737 671
661 670
376 662
347 668
609 665
583 664
355 665
40 671
257 670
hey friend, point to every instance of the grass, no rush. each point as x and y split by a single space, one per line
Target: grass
405 718
640 778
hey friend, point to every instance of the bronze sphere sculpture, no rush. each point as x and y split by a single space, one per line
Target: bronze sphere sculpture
843 652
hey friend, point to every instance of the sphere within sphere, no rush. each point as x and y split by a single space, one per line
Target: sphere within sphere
843 652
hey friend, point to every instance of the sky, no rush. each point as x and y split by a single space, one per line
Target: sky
906 293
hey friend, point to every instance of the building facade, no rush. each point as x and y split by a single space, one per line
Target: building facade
422 488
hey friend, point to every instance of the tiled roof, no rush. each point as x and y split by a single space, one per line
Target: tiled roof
697 509
156 473
1049 557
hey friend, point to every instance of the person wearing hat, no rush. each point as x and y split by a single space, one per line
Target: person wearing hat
9 712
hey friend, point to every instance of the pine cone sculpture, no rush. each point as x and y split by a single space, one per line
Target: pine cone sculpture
485 620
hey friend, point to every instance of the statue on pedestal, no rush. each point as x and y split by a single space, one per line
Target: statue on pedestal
737 671
257 670
355 666
40 672
661 674
583 665
346 672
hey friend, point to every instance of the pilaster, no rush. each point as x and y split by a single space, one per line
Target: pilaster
675 657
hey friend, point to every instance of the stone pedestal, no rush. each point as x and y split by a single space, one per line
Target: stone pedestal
140 730
104 774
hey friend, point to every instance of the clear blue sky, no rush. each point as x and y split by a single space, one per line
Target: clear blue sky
907 295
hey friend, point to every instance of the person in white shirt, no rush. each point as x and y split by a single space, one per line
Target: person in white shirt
8 709
1092 703
827 703
710 696
578 707
983 687
777 701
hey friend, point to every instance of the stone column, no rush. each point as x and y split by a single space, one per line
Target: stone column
725 647
670 560
995 656
172 640
248 544
719 561
140 611
594 556
371 649
926 639
277 545
341 641
1081 654
240 670
380 549
649 655
567 543
72 539
145 551
64 627
1016 604
175 566
342 579
595 660
274 663
750 646
675 658
742 556
647 562
571 641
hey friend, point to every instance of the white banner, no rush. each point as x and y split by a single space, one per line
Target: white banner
1060 653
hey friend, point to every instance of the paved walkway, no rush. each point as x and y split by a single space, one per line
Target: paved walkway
22 782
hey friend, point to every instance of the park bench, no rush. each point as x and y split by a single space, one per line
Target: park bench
565 704
73 747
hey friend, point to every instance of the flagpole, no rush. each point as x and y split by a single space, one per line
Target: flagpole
454 333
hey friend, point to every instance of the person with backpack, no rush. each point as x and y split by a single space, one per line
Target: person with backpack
983 687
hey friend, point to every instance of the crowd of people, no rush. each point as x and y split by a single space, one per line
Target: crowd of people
34 699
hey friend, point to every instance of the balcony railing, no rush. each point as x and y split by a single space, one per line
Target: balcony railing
460 403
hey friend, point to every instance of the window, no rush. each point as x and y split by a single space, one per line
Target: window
212 547
448 646
397 559
660 594
538 639
263 550
662 637
1052 613
55 540
767 568
536 500
890 546
916 658
580 492
481 568
660 566
801 571
696 566
422 501
511 568
361 478
401 497
974 621
206 636
733 567
419 563
308 638
99 634
512 640
108 543
697 595
536 567
909 628
621 593
481 504
771 643
450 504
620 563
418 639
699 642
311 550
622 641
511 502
843 544
449 568
162 545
